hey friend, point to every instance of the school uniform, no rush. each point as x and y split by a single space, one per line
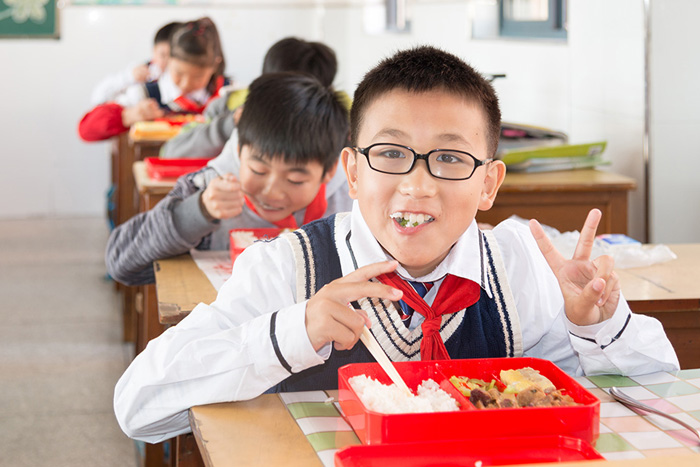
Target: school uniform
176 224
253 336
105 120
110 87
207 139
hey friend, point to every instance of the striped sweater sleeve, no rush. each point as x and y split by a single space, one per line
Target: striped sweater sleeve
134 245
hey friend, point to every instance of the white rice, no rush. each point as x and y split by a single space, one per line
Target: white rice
242 238
384 398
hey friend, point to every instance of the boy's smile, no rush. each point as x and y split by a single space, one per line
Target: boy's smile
416 217
276 188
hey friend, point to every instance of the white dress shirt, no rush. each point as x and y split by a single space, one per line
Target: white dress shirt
169 91
223 352
110 87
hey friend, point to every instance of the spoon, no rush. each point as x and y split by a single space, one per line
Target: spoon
631 402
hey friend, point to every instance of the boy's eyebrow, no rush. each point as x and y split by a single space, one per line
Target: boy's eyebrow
396 133
260 159
302 169
393 132
453 137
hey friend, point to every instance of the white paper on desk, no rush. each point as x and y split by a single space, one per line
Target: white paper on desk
215 264
625 256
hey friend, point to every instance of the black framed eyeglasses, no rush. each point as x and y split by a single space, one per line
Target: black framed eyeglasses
447 164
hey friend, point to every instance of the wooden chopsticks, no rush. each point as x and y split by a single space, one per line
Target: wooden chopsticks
378 353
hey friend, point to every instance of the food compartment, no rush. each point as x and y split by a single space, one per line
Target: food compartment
181 119
159 169
580 421
468 453
240 239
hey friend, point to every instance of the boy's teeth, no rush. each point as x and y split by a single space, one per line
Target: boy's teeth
411 219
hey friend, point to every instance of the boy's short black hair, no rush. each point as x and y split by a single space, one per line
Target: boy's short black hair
423 69
166 32
292 54
294 117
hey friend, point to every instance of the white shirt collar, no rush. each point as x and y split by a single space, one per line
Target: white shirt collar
463 260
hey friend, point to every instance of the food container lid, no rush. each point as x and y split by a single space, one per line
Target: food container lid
159 169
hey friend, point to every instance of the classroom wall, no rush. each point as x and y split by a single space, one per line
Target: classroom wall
675 121
591 87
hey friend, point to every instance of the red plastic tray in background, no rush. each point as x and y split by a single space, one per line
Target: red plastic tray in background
581 421
260 234
490 451
159 169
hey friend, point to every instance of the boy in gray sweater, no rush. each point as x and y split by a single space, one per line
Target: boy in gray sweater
277 170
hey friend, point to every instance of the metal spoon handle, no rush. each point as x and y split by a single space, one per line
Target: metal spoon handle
628 401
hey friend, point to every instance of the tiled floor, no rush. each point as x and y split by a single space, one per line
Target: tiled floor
61 350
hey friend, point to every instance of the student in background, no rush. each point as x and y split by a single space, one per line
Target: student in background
277 170
110 87
193 77
289 54
294 308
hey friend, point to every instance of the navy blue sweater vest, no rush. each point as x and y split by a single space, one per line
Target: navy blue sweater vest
481 333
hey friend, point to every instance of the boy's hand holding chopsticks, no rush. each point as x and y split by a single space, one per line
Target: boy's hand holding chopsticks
328 316
223 198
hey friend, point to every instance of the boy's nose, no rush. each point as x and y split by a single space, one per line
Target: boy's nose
272 192
185 85
418 182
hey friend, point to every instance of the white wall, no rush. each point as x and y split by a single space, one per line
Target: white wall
45 88
591 87
675 121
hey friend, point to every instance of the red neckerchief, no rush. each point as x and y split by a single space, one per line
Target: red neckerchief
186 105
314 210
455 294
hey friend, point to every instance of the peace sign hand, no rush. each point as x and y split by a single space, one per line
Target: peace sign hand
591 289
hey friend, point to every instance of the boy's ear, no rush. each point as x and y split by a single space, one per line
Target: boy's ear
349 159
495 173
237 115
330 173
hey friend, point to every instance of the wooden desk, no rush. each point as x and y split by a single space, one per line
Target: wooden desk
126 151
150 192
262 431
183 451
180 286
137 150
670 292
562 199
235 433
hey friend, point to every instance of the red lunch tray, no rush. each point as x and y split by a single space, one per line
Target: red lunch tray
468 453
159 169
580 421
181 119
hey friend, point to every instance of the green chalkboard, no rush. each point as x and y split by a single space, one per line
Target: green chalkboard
28 18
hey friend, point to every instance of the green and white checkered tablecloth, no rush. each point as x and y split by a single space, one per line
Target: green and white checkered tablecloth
624 434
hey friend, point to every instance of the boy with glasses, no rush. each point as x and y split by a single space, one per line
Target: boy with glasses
424 128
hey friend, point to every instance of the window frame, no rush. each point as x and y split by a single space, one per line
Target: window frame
553 28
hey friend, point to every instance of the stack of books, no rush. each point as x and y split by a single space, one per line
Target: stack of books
521 136
551 158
